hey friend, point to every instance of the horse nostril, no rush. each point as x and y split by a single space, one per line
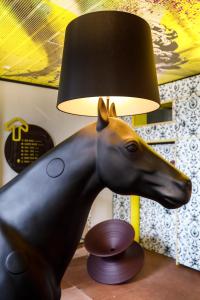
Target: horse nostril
184 184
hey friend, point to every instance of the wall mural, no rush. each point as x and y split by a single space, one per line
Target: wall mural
173 233
31 36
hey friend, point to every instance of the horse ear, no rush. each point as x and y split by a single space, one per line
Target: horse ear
112 112
103 120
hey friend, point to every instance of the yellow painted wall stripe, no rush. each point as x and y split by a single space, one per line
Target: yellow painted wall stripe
135 216
135 200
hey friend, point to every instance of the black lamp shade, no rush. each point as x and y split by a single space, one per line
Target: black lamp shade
108 54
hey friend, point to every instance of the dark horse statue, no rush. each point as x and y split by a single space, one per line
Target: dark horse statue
44 209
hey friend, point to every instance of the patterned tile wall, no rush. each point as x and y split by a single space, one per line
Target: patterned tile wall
121 207
121 204
158 224
174 233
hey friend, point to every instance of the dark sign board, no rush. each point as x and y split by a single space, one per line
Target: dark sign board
33 144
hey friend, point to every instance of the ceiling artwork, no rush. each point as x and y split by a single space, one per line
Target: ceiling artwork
32 35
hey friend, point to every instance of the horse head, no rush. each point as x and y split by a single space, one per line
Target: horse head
128 166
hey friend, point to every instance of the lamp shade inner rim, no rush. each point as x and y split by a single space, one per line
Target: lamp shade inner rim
125 106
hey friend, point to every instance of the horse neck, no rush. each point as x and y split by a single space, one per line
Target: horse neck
50 213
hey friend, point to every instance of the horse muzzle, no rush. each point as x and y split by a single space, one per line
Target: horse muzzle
179 196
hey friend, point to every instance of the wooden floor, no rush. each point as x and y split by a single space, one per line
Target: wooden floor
160 279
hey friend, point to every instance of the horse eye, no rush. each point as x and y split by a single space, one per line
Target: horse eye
132 147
